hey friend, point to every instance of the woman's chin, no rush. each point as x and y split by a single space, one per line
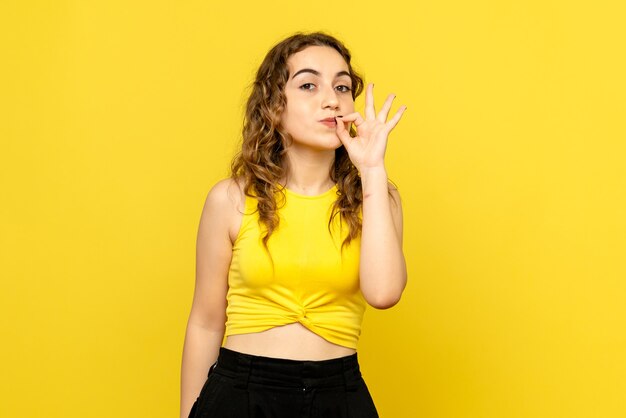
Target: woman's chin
333 141
328 143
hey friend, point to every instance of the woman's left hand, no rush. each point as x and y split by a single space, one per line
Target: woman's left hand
367 149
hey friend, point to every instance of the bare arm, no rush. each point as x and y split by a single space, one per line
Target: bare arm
206 324
383 268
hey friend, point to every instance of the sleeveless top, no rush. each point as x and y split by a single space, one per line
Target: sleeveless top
308 278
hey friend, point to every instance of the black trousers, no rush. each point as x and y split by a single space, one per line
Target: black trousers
240 385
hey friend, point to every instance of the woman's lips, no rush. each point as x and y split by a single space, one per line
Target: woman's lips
330 122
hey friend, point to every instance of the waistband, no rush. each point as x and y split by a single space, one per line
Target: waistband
247 368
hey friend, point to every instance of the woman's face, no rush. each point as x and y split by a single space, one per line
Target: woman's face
319 87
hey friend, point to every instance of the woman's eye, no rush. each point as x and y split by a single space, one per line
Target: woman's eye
309 86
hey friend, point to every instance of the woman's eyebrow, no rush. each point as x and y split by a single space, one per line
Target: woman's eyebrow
317 73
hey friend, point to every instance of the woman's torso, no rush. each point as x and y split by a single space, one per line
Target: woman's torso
291 341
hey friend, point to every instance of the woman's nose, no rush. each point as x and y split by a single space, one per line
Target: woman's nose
330 98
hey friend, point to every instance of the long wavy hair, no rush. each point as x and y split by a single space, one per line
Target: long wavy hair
260 163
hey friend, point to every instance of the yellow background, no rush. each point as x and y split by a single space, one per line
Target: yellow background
117 117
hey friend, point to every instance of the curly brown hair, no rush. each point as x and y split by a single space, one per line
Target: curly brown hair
260 162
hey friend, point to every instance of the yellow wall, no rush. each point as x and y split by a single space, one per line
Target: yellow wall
117 117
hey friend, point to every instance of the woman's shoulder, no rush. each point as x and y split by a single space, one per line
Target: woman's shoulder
227 193
227 200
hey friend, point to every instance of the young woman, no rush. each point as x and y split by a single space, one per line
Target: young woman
292 247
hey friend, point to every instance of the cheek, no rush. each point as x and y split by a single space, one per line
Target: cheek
348 107
293 117
299 113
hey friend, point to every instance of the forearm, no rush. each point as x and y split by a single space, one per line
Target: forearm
382 264
200 351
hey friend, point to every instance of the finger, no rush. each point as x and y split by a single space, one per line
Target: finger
353 117
384 112
396 118
342 133
370 111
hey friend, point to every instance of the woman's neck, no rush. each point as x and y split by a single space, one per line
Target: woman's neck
308 173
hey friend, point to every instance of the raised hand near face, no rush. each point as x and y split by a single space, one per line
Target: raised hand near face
367 149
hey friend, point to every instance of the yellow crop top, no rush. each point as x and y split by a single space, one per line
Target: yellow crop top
312 282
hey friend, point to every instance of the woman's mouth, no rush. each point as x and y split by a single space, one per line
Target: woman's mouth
330 122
